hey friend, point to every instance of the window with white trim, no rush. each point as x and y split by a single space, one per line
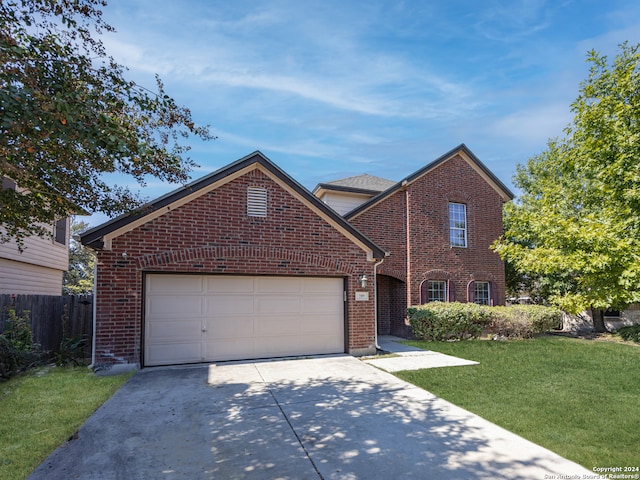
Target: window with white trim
437 291
457 224
482 293
256 202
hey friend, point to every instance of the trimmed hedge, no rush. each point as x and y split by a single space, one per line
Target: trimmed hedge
459 321
448 321
523 321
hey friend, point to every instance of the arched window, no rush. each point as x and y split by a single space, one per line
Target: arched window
482 292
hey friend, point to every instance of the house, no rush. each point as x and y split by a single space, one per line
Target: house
246 263
242 263
438 224
37 269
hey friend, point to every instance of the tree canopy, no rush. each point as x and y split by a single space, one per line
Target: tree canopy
68 116
577 223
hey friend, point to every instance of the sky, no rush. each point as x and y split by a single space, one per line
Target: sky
330 89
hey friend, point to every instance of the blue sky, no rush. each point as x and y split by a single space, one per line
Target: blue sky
329 89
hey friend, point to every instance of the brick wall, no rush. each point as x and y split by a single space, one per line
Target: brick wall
213 234
430 255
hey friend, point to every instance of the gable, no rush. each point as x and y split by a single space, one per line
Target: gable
254 165
459 152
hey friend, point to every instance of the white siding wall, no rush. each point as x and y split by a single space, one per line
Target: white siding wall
37 269
344 202
25 278
39 251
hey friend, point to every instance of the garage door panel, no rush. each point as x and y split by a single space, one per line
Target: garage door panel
190 284
230 284
316 304
277 304
229 349
322 286
283 285
229 305
172 331
188 352
174 305
231 327
320 324
243 317
277 326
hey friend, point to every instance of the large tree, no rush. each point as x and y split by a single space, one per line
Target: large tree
78 279
578 217
68 116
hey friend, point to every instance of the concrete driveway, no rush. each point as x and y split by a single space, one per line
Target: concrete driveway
330 417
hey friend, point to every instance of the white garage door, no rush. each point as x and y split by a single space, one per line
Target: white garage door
200 318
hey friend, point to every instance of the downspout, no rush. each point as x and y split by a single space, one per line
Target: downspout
407 242
375 302
93 333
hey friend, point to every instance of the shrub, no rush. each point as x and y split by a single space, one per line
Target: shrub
630 333
459 321
448 321
523 321
17 350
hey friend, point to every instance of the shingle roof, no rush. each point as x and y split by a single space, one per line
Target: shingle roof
360 183
366 181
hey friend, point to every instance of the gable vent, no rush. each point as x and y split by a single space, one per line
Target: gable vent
256 202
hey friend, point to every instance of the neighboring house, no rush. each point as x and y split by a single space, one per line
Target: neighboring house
246 263
39 267
348 193
242 263
438 224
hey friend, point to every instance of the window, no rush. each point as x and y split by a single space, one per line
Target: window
60 231
256 202
436 291
458 224
482 293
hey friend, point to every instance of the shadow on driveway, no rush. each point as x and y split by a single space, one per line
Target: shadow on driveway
329 417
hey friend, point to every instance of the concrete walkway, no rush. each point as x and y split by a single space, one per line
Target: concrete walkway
411 358
332 417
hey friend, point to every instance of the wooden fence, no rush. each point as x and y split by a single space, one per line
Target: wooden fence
52 317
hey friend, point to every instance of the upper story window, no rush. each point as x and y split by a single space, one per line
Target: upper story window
457 224
482 293
437 291
256 202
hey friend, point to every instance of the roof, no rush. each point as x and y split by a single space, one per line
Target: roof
365 183
461 149
100 237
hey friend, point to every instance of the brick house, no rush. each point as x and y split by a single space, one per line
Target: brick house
246 263
242 263
437 224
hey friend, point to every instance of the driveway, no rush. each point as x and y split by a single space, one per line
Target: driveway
332 417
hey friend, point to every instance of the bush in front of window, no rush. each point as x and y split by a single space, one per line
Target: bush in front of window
630 333
441 321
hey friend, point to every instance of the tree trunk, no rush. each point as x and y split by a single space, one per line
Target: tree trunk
598 321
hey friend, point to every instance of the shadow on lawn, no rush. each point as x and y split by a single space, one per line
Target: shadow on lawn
255 420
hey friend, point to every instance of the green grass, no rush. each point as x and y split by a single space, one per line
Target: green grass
42 409
578 398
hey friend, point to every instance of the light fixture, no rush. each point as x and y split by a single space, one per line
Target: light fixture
363 280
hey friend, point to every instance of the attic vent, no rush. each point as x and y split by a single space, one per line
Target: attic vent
256 202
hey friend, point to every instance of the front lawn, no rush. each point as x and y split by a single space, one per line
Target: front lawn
578 398
42 409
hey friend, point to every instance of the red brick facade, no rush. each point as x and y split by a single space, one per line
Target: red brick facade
212 234
426 231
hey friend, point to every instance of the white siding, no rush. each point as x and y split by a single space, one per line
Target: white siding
39 251
343 202
24 278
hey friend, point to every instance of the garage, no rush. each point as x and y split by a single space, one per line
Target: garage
202 318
